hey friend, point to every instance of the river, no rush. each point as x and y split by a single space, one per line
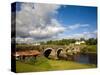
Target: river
90 58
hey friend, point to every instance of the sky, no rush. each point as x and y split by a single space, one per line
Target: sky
42 22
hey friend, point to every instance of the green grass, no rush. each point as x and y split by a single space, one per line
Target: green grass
43 64
92 48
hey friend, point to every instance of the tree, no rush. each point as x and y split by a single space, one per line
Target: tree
91 41
82 39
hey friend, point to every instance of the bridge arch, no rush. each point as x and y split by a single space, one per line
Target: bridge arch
47 52
67 49
59 50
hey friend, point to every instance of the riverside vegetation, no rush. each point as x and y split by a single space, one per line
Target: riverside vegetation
44 64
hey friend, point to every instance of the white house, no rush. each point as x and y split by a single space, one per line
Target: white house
36 44
79 42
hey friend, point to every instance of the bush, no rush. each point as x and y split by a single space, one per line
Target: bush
89 49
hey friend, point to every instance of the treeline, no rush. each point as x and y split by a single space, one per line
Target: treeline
91 41
89 49
58 42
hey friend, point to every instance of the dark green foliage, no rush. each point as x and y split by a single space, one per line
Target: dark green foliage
89 49
91 41
82 39
84 50
59 42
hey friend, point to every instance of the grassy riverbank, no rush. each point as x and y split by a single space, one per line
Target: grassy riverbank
43 64
90 49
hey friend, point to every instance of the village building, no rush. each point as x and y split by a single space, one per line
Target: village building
79 42
36 44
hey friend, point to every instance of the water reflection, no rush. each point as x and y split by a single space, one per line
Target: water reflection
90 58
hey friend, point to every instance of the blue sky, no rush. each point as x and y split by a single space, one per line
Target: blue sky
75 14
71 15
49 21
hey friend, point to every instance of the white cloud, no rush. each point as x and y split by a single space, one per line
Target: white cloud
85 35
50 30
76 26
37 21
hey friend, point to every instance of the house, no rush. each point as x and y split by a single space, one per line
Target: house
36 44
79 42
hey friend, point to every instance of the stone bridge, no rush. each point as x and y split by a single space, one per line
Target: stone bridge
60 51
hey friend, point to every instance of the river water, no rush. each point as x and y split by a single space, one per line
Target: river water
89 58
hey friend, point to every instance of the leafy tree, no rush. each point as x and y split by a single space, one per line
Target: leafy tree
91 41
